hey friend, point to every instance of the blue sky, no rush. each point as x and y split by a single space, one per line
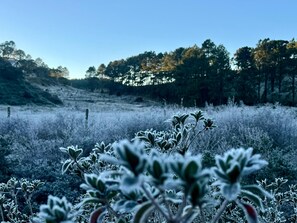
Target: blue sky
82 33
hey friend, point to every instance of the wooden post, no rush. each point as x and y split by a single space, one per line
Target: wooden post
8 112
87 118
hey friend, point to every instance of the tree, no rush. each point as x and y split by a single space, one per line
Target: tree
246 75
292 65
7 48
261 56
217 69
101 70
39 62
27 65
270 57
19 54
91 72
59 72
222 63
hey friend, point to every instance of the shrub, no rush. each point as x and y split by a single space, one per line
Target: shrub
155 178
5 170
33 139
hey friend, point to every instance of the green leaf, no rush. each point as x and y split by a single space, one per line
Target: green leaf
258 190
74 153
66 165
151 138
252 197
208 124
195 193
178 137
91 180
101 186
78 152
190 170
143 212
197 115
183 118
157 168
121 220
132 159
64 150
59 212
222 176
220 163
234 173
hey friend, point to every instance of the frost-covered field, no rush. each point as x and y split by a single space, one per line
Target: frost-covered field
33 136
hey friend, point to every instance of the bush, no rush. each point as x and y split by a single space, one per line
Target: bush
5 169
35 138
156 179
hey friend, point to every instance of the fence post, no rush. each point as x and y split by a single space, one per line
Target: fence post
87 118
8 112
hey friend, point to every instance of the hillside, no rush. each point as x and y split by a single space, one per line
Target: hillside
81 99
15 90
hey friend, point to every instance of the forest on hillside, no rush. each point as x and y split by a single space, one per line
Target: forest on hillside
207 73
194 75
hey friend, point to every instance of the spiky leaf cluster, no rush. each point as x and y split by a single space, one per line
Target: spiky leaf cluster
185 127
57 211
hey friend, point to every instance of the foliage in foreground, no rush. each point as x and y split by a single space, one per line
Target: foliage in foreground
154 178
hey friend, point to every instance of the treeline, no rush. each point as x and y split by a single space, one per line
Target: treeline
11 56
18 69
193 75
207 73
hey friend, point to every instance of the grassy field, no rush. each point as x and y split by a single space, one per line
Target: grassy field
32 136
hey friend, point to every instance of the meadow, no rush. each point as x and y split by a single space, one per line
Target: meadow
31 137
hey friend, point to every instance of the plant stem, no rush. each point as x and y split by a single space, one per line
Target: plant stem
195 135
148 194
181 208
80 169
166 203
202 214
220 211
28 200
1 212
15 197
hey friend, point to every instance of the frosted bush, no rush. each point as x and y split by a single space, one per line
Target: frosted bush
35 141
155 177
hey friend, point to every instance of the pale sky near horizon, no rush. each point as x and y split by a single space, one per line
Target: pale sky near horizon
79 33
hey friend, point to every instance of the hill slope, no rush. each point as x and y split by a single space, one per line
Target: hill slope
15 90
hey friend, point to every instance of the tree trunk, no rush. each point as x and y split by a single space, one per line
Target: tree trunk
265 87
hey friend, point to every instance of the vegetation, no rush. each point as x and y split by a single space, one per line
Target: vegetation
17 69
157 178
265 73
271 130
184 170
